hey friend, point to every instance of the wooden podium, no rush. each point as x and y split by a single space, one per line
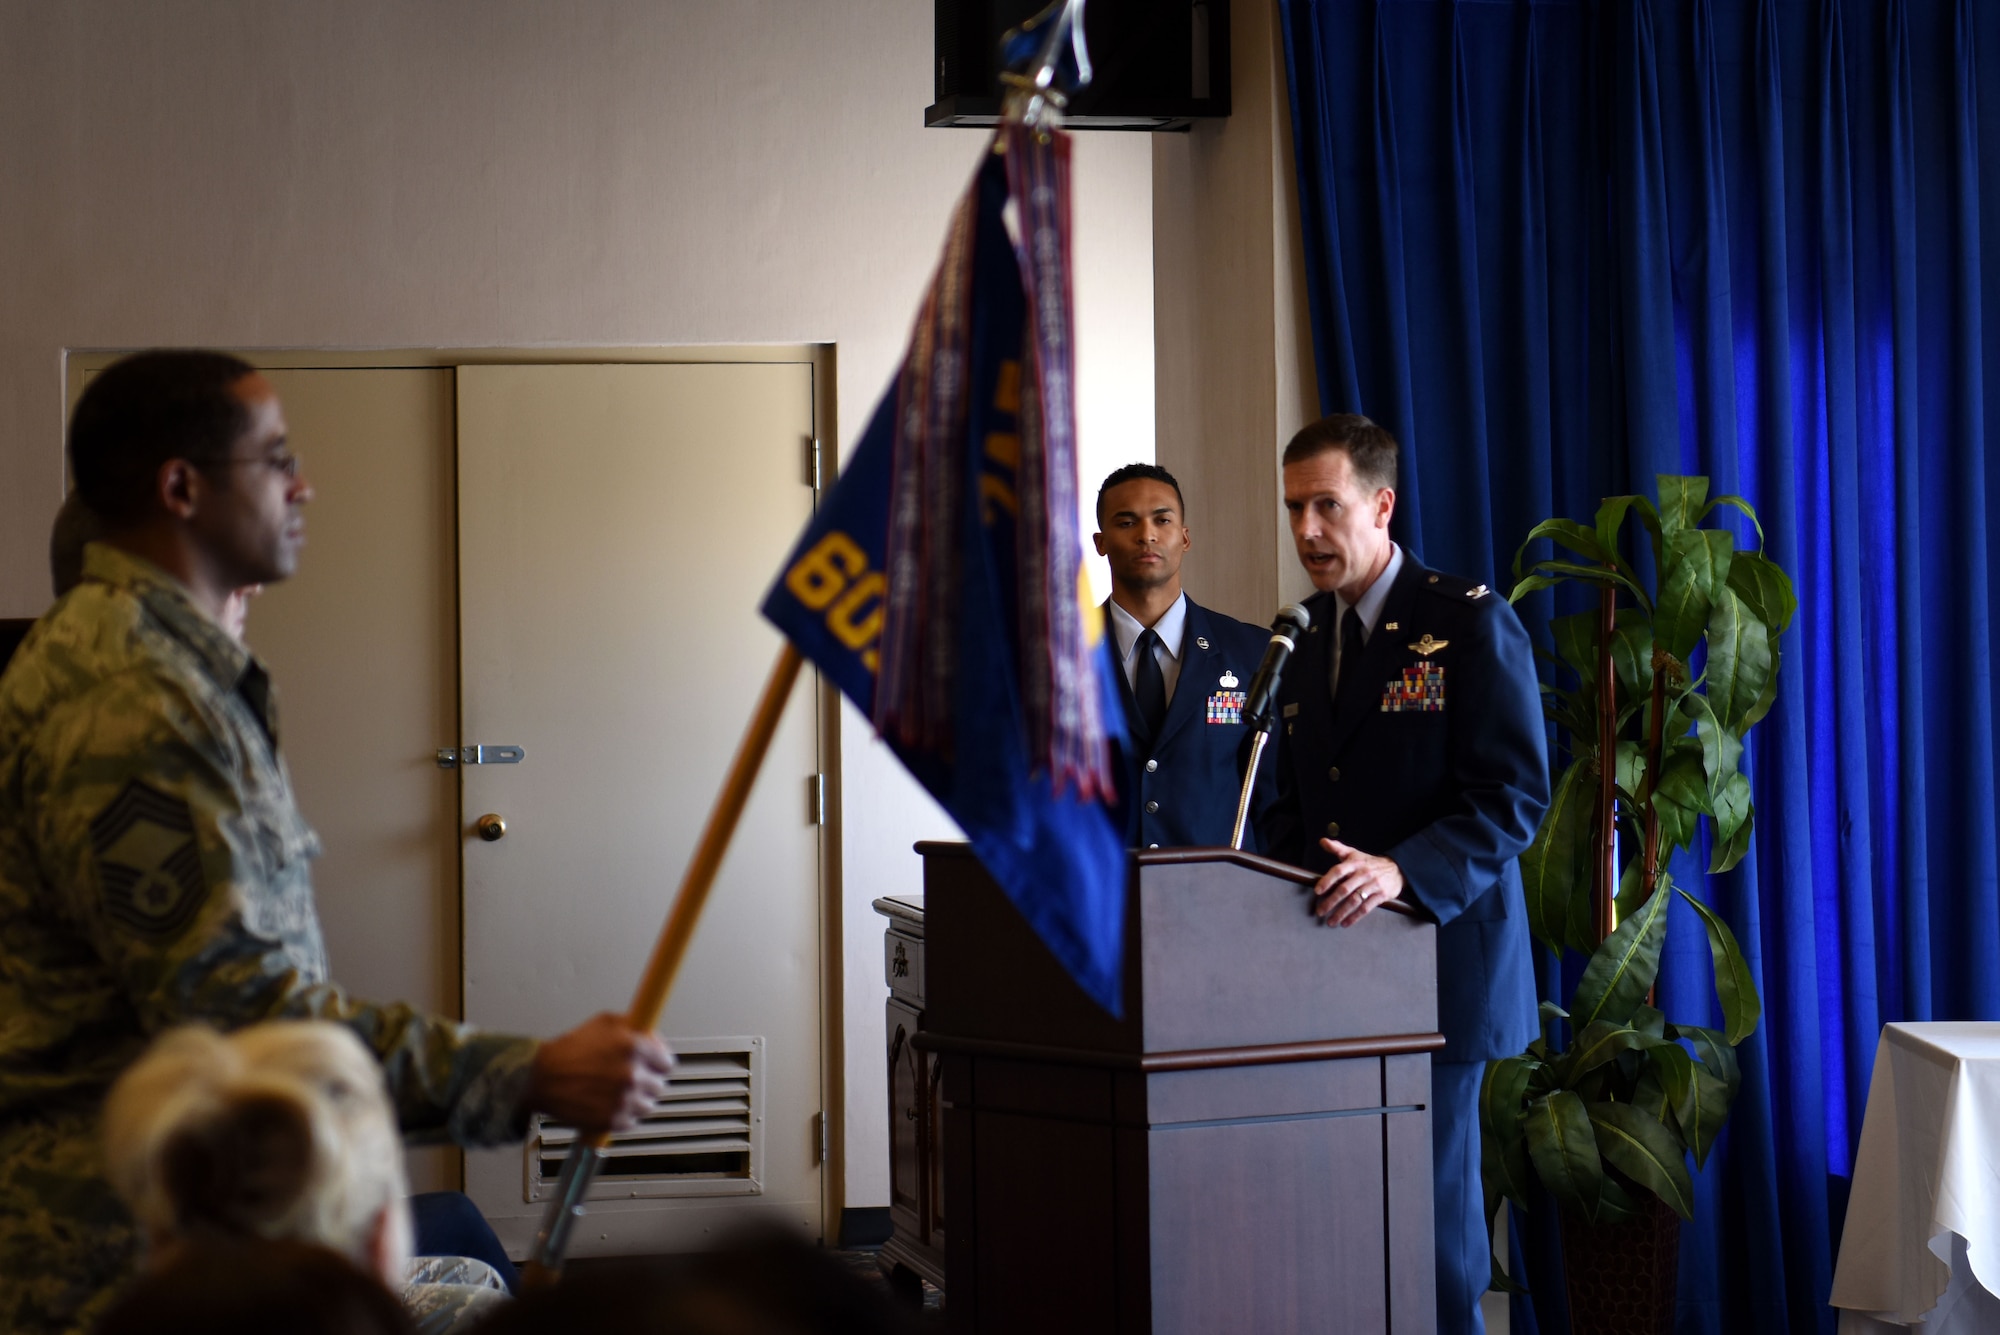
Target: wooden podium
1248 1149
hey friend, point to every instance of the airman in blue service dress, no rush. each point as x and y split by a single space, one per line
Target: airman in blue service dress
1179 786
1438 761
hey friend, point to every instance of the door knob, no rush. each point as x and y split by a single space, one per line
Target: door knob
491 827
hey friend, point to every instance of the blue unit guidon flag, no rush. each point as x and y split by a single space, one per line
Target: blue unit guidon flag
940 586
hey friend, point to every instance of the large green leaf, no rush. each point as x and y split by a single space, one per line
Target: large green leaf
1611 519
1614 1203
1631 772
1563 1148
1598 1044
1589 575
1631 884
1728 852
1734 987
1701 1116
1730 808
1590 1086
1739 660
1649 1096
1721 749
1770 692
1568 533
1575 638
1632 653
1683 780
1556 866
1697 569
1765 588
1503 1142
1622 971
1640 1146
1737 502
1533 583
1650 1022
1582 924
1678 824
1681 500
1674 1069
1713 1051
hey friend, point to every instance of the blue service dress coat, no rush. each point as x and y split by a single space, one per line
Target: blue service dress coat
1444 769
1180 789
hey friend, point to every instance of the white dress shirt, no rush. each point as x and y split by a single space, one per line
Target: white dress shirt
1172 625
1369 608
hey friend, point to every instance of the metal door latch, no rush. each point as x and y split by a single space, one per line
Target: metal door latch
449 757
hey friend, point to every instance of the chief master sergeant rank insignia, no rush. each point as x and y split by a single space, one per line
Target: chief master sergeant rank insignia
148 860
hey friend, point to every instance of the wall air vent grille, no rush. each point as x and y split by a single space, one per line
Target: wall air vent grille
704 1137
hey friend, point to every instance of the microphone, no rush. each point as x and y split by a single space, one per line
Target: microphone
1291 623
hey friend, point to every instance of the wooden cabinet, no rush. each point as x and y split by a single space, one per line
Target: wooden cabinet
916 1123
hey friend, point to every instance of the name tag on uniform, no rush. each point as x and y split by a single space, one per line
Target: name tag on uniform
1227 706
1419 690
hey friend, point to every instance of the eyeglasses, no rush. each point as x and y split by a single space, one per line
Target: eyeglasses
284 461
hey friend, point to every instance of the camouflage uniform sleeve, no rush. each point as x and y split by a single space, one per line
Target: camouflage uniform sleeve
169 829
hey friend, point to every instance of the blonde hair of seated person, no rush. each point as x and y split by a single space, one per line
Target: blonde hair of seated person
282 1130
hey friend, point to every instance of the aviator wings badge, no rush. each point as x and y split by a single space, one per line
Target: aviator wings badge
1428 646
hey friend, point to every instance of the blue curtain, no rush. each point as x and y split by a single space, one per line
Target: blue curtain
1560 247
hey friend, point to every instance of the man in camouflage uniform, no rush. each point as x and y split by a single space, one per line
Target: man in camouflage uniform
154 867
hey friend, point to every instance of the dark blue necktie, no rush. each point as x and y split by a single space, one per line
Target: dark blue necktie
1349 695
1149 684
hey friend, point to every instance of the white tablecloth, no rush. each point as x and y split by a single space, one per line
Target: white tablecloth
1921 1246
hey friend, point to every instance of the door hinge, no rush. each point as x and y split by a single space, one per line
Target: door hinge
820 1137
814 474
816 799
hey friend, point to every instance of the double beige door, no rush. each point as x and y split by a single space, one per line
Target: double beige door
566 559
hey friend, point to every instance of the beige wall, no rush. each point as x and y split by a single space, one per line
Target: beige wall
1232 341
452 173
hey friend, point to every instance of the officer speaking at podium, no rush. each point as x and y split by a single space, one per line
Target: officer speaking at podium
1185 674
1413 765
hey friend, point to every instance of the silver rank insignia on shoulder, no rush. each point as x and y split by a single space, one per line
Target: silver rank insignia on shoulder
1229 682
1201 642
1478 592
1428 645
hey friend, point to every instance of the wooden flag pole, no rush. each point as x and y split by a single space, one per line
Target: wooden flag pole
544 1264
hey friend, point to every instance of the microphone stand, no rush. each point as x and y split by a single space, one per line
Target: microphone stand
1257 742
1293 621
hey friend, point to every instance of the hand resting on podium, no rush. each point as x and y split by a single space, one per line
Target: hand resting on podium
1355 886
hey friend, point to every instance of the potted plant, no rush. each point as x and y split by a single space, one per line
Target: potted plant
1655 688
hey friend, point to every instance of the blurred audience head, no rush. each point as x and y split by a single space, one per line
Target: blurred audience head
763 1283
279 1131
75 525
256 1286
